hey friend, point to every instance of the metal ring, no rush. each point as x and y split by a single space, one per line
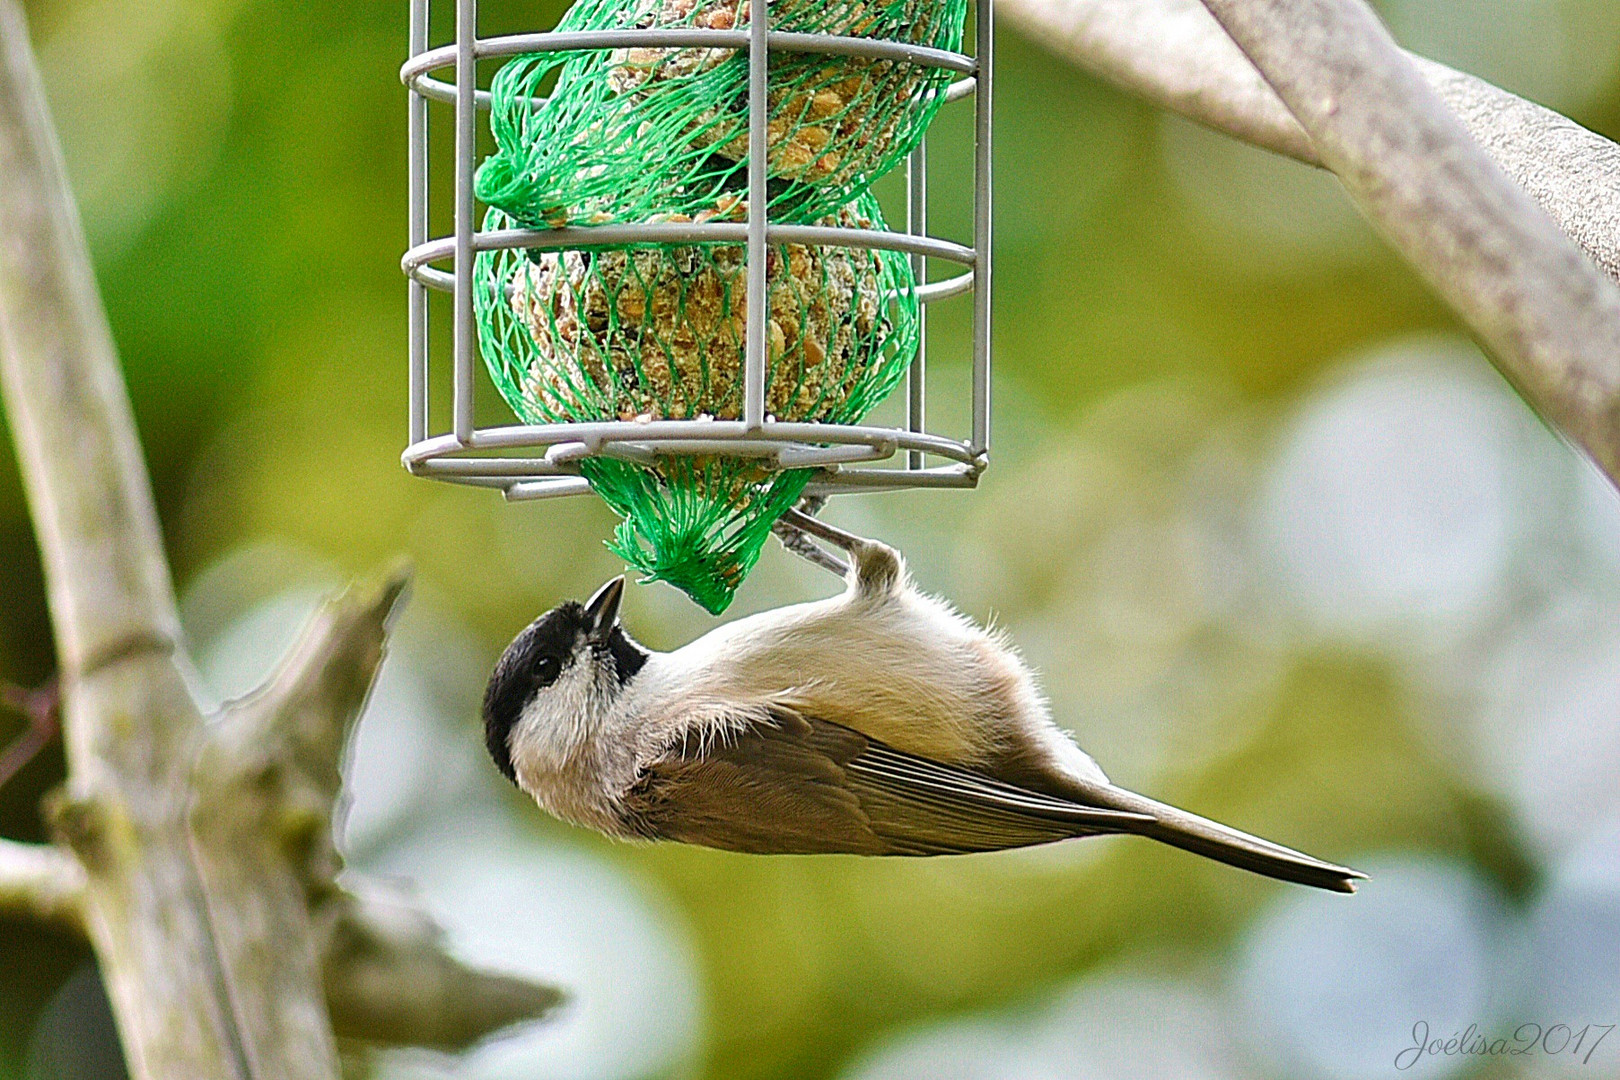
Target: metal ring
441 91
721 437
927 293
682 38
931 291
835 475
664 232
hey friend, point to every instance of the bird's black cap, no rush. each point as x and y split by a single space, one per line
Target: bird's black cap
538 656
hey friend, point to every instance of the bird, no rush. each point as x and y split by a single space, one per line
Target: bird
879 721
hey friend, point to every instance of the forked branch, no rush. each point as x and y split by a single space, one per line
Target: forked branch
1174 54
196 856
1510 211
1550 316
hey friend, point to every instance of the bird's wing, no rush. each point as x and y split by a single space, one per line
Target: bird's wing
796 784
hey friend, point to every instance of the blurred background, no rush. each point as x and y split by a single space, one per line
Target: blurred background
1286 548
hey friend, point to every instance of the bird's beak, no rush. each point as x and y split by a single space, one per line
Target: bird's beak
603 608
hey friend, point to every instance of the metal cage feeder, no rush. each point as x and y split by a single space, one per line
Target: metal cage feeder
848 457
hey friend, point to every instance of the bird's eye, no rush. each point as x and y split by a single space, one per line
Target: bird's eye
546 670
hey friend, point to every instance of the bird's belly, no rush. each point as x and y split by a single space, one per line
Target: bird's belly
938 701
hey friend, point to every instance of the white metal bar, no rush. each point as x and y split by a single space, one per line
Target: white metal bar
985 49
917 225
547 489
433 279
466 154
438 90
418 231
828 235
505 467
758 337
875 48
945 289
932 292
846 480
804 457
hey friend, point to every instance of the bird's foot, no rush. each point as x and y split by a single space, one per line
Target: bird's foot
876 567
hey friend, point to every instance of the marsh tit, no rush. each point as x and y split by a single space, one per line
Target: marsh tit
877 722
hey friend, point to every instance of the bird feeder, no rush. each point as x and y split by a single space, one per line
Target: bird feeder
770 201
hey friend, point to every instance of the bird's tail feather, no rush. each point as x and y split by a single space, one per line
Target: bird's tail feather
1213 840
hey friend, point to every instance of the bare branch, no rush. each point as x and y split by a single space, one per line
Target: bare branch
303 715
264 786
41 881
109 584
1549 315
1573 173
1175 55
204 852
389 977
390 980
130 723
1171 53
41 707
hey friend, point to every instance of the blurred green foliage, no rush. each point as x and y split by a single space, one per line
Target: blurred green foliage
241 166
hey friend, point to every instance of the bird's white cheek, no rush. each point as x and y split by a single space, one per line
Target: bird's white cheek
553 727
560 753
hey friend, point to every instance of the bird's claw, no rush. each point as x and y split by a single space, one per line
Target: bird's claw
876 564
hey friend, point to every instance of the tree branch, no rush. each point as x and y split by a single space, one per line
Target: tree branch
389 977
1171 53
129 722
286 739
205 865
104 564
1549 315
264 785
41 881
1338 92
390 980
314 701
1175 55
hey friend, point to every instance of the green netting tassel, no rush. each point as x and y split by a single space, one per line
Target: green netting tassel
655 332
626 134
697 523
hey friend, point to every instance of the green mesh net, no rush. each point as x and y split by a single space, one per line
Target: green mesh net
629 133
658 332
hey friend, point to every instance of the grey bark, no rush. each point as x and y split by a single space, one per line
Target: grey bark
197 856
389 979
1509 211
1174 54
43 882
1548 314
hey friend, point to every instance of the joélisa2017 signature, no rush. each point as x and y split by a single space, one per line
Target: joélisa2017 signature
1579 1043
